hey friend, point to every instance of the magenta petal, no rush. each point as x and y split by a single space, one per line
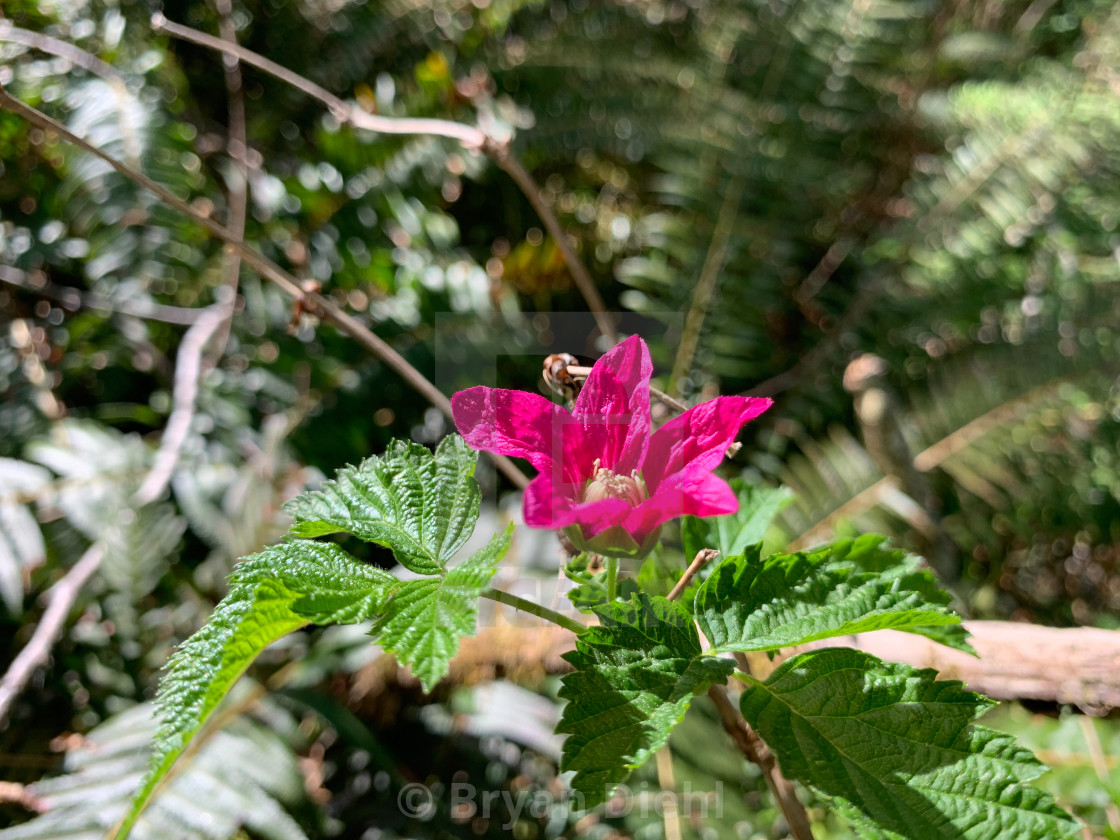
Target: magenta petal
698 438
549 505
695 492
613 406
515 423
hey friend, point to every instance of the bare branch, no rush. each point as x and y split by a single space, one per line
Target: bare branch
703 557
188 371
756 750
469 136
72 299
60 598
466 134
316 303
73 54
504 158
238 148
705 287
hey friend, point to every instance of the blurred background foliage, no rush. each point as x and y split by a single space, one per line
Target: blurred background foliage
897 218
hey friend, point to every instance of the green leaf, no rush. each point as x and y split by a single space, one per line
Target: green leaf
896 750
731 534
270 595
635 676
422 506
852 586
425 619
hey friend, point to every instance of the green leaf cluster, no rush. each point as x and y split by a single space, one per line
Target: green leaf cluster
422 505
896 751
892 747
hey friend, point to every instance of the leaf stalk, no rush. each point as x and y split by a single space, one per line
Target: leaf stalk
533 608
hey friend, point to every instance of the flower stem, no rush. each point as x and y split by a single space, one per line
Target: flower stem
534 609
612 577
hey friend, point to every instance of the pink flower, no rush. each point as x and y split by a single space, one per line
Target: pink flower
603 476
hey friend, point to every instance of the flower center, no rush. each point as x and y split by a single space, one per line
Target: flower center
607 484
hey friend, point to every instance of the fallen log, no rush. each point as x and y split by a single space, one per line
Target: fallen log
1076 665
1079 666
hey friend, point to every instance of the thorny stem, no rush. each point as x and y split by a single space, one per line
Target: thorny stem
319 305
534 608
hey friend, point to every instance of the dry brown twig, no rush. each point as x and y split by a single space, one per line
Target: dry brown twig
703 557
59 598
312 303
745 738
471 137
73 300
238 148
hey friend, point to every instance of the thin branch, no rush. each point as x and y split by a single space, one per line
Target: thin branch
238 147
60 598
505 159
752 746
756 750
466 134
470 136
823 350
75 55
188 372
312 302
714 262
820 275
703 557
72 299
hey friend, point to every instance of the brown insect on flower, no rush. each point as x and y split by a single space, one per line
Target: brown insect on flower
559 378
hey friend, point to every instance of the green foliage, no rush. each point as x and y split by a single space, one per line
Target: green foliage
731 534
245 776
852 586
896 751
635 677
421 505
271 594
22 548
426 618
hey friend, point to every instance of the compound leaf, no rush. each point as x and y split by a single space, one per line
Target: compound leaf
852 586
426 618
271 594
422 506
635 677
897 752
